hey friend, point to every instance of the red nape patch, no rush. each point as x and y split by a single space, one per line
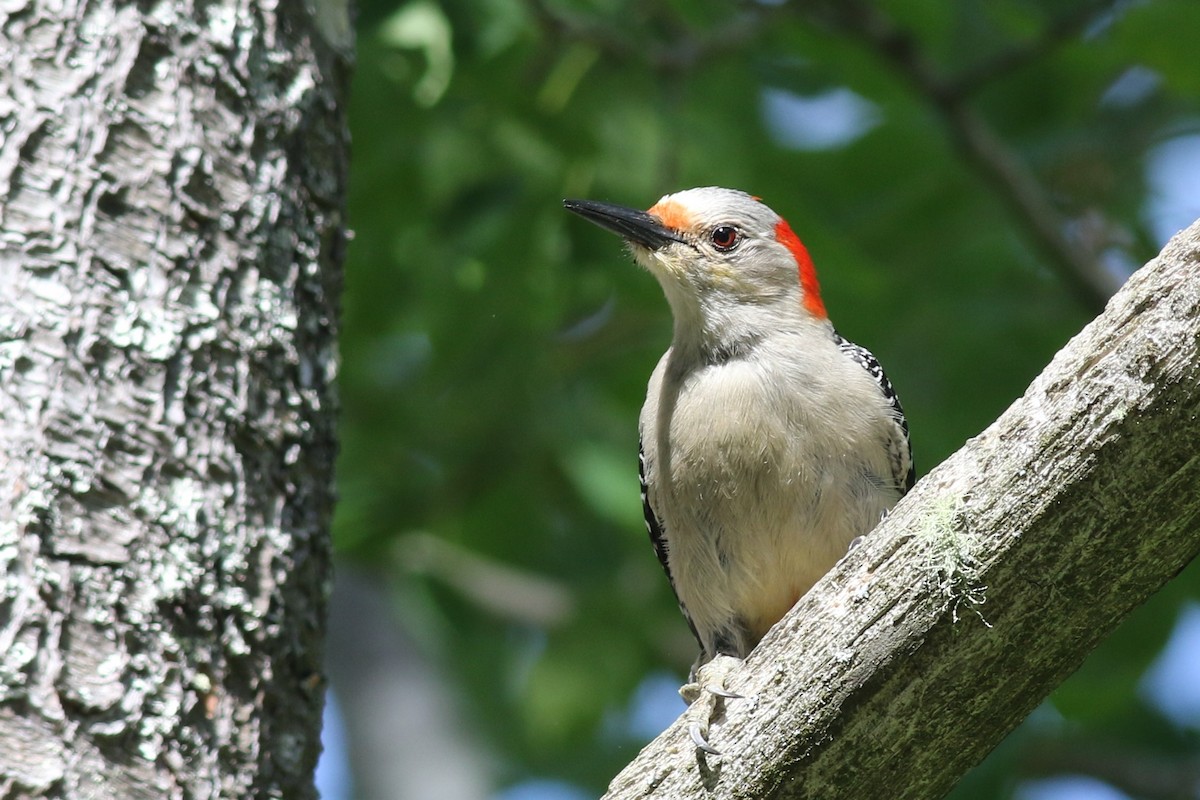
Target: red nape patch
808 274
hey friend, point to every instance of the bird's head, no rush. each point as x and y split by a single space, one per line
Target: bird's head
711 245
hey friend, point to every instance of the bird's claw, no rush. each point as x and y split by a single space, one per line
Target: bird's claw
698 738
854 543
708 681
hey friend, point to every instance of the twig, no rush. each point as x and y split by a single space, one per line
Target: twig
1056 33
1139 774
1077 263
682 51
1077 260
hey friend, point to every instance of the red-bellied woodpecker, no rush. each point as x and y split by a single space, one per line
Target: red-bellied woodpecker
768 441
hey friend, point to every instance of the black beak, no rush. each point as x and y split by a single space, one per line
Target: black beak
636 226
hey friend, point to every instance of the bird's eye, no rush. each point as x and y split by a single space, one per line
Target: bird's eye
725 237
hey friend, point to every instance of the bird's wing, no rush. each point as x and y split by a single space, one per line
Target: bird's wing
658 538
899 447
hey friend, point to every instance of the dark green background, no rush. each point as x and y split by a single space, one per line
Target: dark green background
495 348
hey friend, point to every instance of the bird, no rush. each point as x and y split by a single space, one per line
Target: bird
768 442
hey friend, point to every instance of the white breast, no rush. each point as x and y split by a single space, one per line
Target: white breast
761 470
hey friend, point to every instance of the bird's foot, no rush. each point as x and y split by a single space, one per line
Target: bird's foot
705 692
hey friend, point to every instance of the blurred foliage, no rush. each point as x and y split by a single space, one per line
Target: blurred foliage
495 348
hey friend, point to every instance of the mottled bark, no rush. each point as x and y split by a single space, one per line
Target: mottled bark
986 586
171 236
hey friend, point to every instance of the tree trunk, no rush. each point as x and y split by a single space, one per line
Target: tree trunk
170 248
986 586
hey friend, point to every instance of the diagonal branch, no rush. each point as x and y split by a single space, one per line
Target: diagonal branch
1151 776
1077 263
1062 29
892 677
677 53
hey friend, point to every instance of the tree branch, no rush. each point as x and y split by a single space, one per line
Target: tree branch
892 677
1057 32
1077 262
1146 775
679 52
